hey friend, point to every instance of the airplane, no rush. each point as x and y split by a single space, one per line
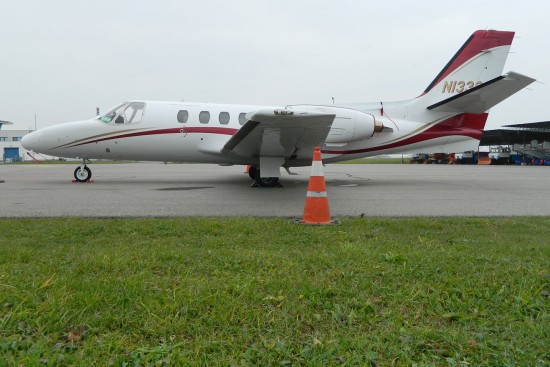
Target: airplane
448 116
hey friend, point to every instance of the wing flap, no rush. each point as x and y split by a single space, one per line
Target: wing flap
481 98
280 133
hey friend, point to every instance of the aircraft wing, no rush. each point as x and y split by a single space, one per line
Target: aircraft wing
285 134
484 96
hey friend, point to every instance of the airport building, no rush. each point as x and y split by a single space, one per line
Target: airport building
11 149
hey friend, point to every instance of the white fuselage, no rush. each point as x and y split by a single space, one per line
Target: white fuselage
164 133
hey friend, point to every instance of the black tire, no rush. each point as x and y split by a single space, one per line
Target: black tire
82 175
253 172
268 181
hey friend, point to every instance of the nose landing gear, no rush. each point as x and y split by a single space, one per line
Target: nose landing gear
83 173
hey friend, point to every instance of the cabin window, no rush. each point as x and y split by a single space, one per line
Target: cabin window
224 118
183 116
242 118
204 117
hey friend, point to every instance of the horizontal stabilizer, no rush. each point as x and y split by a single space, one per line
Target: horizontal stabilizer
484 96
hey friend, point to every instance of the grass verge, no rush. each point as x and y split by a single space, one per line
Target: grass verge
248 291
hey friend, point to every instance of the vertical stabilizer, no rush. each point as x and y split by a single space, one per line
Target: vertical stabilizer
479 60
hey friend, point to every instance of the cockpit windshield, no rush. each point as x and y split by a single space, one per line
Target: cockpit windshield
124 113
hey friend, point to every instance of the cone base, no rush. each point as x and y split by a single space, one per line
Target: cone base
331 222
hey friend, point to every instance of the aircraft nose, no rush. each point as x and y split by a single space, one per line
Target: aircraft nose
34 141
31 140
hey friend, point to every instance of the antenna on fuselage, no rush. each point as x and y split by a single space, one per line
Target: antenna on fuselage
332 100
97 111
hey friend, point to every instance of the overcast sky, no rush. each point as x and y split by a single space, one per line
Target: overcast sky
60 59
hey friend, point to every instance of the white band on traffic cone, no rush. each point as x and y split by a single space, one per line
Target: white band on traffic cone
317 194
316 168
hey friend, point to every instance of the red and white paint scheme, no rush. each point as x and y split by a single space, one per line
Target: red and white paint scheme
449 116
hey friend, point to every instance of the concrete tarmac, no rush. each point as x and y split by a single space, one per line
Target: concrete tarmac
159 190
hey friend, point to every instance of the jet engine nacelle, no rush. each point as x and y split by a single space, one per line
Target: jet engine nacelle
353 126
349 125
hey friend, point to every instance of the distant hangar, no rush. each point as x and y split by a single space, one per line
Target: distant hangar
531 139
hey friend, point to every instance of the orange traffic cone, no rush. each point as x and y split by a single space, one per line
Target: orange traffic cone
316 210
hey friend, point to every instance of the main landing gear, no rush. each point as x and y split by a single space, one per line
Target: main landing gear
254 173
83 173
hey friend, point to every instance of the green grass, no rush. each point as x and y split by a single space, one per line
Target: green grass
249 291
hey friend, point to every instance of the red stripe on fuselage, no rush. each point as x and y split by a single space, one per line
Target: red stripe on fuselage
182 130
466 124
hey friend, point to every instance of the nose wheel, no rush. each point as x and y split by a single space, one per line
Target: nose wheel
82 173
